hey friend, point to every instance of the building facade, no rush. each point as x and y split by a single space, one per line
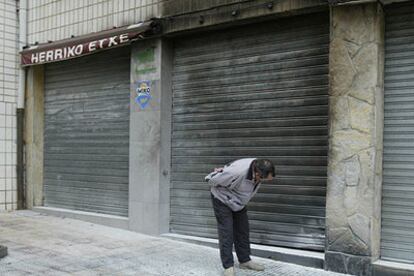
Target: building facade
129 104
9 64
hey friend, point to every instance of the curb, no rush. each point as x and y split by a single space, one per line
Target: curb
3 251
293 256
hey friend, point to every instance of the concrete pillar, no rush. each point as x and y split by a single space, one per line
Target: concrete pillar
150 137
33 135
355 137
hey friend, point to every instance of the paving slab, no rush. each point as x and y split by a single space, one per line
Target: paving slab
47 245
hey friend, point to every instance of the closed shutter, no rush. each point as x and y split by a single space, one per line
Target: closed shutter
397 239
254 91
87 133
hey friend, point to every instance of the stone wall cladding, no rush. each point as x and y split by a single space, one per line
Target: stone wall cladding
355 155
8 96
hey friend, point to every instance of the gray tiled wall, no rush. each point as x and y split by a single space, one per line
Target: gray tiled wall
8 94
50 20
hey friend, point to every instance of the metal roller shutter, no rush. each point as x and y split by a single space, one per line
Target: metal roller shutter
87 133
397 239
254 91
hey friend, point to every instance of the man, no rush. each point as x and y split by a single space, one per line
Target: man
232 187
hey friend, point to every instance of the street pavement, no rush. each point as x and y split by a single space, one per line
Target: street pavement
47 245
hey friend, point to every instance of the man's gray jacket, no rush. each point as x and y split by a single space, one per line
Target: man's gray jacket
231 186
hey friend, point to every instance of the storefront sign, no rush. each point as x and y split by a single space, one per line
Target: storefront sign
75 50
76 47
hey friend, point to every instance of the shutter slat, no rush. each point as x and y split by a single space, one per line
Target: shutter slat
266 97
86 146
398 177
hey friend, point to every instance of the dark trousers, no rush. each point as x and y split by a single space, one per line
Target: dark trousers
233 228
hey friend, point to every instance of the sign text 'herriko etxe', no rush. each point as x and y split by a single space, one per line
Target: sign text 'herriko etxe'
68 52
87 44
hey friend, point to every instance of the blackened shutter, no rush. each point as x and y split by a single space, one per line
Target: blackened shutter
254 91
87 133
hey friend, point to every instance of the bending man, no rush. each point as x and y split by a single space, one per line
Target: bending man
232 187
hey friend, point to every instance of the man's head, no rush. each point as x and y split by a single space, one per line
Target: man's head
264 169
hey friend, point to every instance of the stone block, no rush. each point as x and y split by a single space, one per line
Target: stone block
335 262
336 174
339 106
348 264
349 243
337 216
346 143
351 200
3 251
365 64
343 73
335 233
362 115
359 27
352 171
367 159
360 226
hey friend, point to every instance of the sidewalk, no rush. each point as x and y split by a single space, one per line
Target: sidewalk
46 245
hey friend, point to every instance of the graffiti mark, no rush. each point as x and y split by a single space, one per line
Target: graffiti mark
146 55
146 70
143 93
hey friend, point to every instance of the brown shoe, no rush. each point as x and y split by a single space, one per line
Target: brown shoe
229 271
252 266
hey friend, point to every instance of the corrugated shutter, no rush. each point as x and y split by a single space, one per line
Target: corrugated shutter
397 239
87 133
254 91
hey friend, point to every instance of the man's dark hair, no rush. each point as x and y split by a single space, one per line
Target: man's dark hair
265 167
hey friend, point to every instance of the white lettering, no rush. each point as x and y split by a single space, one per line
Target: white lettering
58 54
101 42
123 38
42 56
79 49
71 51
92 46
112 41
49 55
35 58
